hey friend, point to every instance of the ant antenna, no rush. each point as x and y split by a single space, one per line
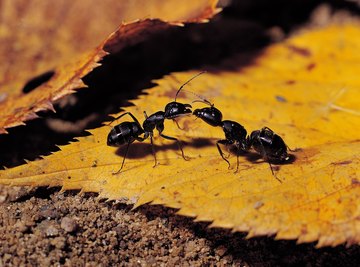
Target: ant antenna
188 82
203 100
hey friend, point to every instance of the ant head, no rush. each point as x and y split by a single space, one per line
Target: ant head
210 115
176 109
181 87
197 113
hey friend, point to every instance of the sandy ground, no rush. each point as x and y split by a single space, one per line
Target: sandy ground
43 227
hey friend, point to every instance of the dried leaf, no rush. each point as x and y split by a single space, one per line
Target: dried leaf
61 51
305 89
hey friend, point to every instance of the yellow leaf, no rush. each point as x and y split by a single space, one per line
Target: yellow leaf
51 49
306 89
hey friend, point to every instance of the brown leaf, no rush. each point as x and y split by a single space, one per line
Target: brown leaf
54 42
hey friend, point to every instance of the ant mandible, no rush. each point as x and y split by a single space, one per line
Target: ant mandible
128 132
235 133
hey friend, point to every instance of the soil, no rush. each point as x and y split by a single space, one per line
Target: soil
47 227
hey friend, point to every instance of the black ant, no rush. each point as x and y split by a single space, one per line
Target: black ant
270 146
128 132
235 133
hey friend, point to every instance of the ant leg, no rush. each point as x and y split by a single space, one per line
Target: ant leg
267 128
266 158
126 113
122 165
177 141
153 150
272 171
228 150
292 150
140 139
177 124
237 158
223 142
237 163
248 143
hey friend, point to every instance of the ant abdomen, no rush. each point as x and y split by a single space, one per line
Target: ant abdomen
124 133
269 145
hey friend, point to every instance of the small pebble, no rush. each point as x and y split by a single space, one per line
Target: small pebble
68 224
48 212
21 227
3 198
48 228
